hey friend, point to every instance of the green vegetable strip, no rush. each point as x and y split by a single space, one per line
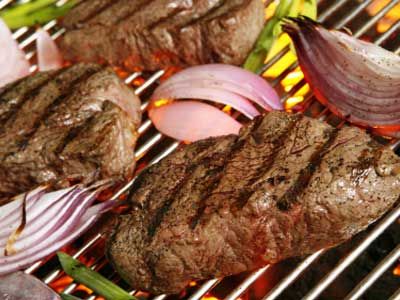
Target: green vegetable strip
93 280
272 30
33 13
69 297
26 8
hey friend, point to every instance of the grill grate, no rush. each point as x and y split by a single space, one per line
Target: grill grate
153 146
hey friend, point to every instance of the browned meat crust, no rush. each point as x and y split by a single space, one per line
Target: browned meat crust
287 186
160 33
57 127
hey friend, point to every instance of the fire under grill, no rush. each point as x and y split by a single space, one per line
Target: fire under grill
367 267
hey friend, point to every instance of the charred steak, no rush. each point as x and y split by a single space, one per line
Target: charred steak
160 33
286 186
62 126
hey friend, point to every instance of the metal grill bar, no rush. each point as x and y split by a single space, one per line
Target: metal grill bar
351 257
374 275
346 19
155 139
289 279
396 295
204 289
247 283
295 89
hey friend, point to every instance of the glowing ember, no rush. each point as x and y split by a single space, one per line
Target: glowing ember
396 271
142 294
209 298
161 102
270 9
193 283
389 19
60 284
83 288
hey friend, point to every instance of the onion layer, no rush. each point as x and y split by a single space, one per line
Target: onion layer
52 221
225 77
49 57
191 121
357 80
13 64
229 85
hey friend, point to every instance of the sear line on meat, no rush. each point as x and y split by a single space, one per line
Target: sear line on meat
75 124
161 33
287 186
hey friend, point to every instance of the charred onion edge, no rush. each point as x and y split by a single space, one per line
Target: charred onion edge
333 69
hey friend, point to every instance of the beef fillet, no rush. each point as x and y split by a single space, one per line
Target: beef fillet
62 126
160 33
286 186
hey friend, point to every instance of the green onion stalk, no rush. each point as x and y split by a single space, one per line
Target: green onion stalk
35 12
69 297
93 280
272 30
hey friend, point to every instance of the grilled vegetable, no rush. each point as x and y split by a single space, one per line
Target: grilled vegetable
49 57
13 64
267 41
34 12
36 225
220 83
92 279
287 186
357 80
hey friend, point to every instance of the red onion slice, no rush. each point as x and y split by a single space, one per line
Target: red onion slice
11 213
13 64
215 94
53 221
229 85
229 78
49 219
192 121
358 81
49 57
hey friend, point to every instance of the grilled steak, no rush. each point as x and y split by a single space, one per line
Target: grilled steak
160 33
286 186
63 125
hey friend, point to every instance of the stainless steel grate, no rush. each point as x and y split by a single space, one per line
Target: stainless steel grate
153 146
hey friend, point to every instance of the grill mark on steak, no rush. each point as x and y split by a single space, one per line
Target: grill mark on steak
95 12
141 7
171 28
34 104
11 114
122 9
243 197
73 133
267 164
290 197
204 53
157 219
49 110
330 209
211 186
144 197
159 215
32 147
158 27
10 86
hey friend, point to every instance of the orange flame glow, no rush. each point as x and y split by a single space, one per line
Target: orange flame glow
389 19
396 271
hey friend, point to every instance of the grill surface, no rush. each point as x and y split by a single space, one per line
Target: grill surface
153 146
